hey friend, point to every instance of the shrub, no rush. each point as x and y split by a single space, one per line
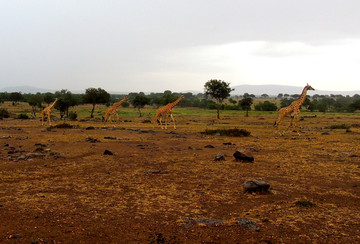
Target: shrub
342 126
305 203
73 115
62 126
266 106
227 132
23 116
4 113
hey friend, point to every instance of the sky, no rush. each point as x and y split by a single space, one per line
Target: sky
178 45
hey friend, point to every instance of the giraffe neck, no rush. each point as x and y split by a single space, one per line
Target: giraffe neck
302 97
171 105
53 104
117 104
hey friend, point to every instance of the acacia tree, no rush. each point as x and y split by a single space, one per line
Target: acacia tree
219 90
245 104
16 97
66 100
35 101
139 102
95 96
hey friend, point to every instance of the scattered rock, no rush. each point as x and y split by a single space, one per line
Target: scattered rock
146 121
227 143
110 137
108 152
156 172
90 128
220 157
40 145
190 148
251 225
243 155
256 186
5 137
91 140
326 133
209 222
35 155
209 146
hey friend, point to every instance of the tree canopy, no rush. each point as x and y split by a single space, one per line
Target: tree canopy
219 90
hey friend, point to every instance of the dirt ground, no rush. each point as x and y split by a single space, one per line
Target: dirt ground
163 186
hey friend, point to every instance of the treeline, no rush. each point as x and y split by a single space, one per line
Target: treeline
66 99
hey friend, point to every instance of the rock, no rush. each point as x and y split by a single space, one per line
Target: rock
5 137
21 158
108 152
326 133
156 172
227 143
243 155
209 146
251 225
110 137
35 155
90 128
220 157
190 148
256 186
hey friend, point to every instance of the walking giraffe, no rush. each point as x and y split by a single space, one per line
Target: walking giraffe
112 110
47 111
293 109
166 111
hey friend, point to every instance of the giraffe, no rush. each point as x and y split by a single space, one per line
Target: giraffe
166 111
112 110
293 109
47 111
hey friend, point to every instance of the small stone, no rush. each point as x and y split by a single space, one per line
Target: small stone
110 137
156 172
209 146
227 143
220 157
326 133
108 152
90 128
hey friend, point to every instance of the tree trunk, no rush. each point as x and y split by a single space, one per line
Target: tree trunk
247 113
218 111
92 111
140 112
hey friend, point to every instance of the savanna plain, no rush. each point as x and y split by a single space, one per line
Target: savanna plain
164 186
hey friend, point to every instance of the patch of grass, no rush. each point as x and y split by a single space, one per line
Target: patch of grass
62 126
305 203
228 132
340 126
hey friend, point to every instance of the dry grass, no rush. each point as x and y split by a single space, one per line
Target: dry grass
85 196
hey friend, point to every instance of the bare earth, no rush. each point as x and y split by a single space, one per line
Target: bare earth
163 186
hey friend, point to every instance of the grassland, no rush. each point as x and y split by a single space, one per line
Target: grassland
163 186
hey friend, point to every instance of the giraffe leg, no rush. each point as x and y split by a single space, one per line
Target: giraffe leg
166 120
49 120
291 122
296 124
42 118
278 123
172 117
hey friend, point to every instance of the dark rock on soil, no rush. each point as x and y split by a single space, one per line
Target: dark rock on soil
251 225
220 157
243 155
227 143
110 137
108 152
156 172
256 186
209 146
90 128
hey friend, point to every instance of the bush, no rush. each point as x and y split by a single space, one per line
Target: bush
73 115
227 132
4 113
23 116
342 126
266 106
305 203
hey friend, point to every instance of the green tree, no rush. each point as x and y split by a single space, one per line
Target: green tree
219 90
48 98
35 101
245 104
266 106
139 102
95 96
16 97
65 101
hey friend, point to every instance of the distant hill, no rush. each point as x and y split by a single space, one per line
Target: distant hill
274 90
25 89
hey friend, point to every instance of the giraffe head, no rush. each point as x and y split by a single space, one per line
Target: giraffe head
308 87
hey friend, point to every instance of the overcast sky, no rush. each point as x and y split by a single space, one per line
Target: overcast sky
178 45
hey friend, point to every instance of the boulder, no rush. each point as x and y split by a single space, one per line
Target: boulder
108 152
243 155
256 186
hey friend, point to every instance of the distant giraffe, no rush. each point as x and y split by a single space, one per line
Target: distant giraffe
166 111
47 111
112 110
293 109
